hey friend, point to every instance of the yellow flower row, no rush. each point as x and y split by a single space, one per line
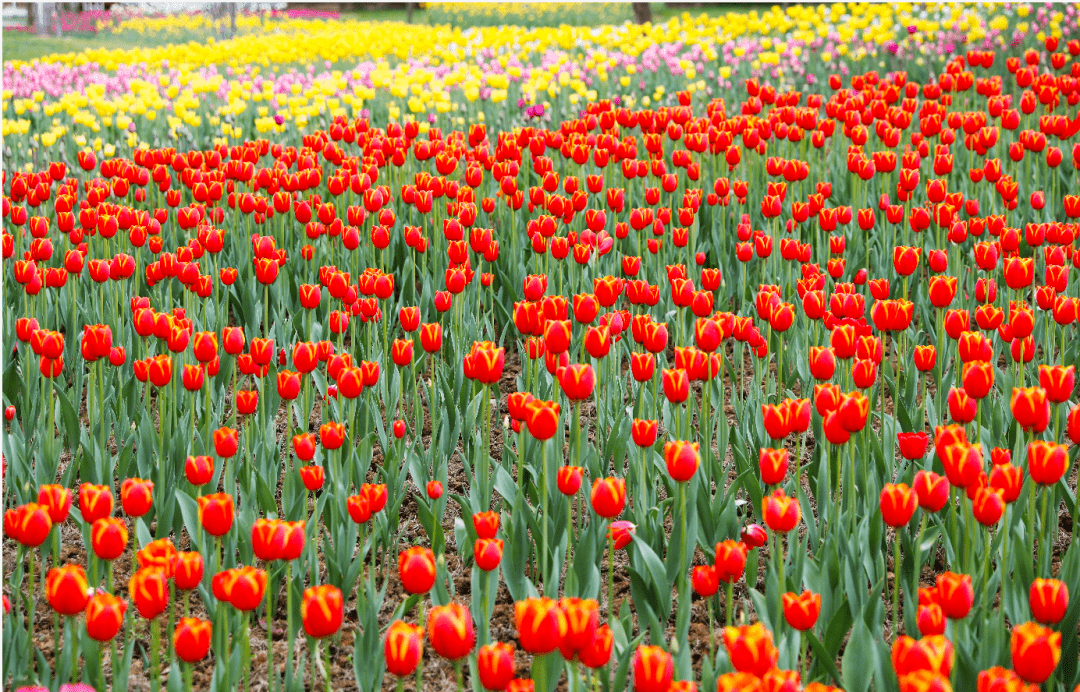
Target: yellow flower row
180 24
185 95
293 41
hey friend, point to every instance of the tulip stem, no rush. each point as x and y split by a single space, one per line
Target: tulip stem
30 612
266 311
289 625
101 663
1046 545
312 548
56 563
189 673
805 646
155 653
326 664
774 538
420 661
685 556
611 577
798 465
955 522
729 588
922 416
544 516
245 633
208 441
431 402
70 622
271 674
712 625
896 587
780 365
1031 518
569 526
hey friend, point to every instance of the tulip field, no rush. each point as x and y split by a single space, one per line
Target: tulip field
734 352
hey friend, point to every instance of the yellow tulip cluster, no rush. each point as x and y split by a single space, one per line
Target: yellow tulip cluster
286 72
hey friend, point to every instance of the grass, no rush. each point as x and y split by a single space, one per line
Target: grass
18 45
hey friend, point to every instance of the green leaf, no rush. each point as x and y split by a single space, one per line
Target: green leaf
189 510
72 427
822 657
654 567
858 657
1068 668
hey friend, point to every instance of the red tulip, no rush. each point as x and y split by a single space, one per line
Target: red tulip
321 610
801 610
416 567
404 648
450 631
191 640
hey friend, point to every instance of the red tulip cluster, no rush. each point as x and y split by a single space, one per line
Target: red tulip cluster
701 276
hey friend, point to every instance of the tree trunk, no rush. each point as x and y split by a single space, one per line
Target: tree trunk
232 20
408 12
37 16
642 12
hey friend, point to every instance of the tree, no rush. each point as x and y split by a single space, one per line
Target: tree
642 12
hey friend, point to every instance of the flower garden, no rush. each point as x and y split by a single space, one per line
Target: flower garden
531 350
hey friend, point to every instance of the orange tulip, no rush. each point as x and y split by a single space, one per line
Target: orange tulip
216 513
1031 408
403 648
1035 651
955 594
898 504
782 513
730 560
597 654
57 499
541 624
67 590
321 610
189 571
160 553
95 502
682 459
582 620
608 497
801 610
932 653
773 464
104 616
108 538
653 669
1049 599
191 640
416 567
246 588
31 524
149 590
495 665
450 631
136 496
487 552
1047 462
750 648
